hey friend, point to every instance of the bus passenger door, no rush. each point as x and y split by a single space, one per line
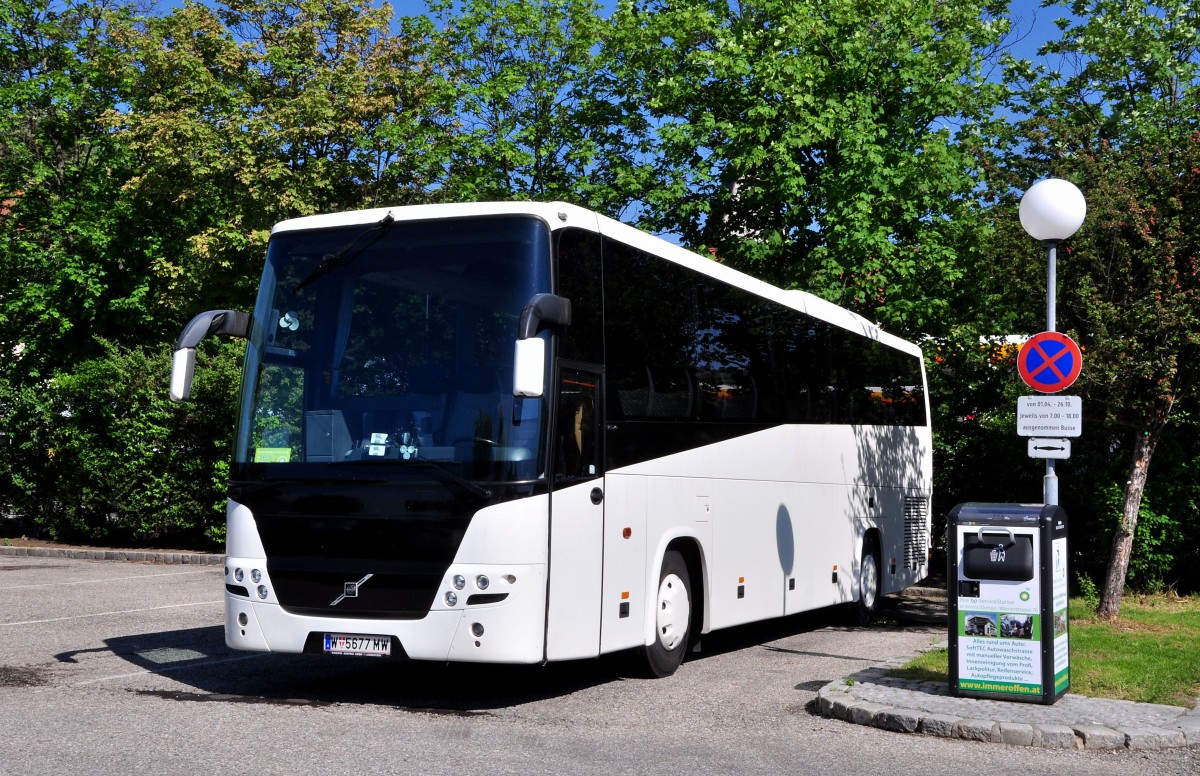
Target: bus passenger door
576 518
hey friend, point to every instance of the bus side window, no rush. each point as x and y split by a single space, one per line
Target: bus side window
632 384
277 424
575 436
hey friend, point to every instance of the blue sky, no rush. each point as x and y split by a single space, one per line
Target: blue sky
1032 25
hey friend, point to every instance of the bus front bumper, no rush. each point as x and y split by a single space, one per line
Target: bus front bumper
505 625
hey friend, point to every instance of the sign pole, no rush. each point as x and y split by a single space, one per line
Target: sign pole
1051 284
1050 481
1051 211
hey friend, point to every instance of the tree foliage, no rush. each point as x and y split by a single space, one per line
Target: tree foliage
853 148
98 456
818 145
284 109
65 227
144 160
1123 125
519 79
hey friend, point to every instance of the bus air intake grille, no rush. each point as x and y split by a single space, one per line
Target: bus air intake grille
916 533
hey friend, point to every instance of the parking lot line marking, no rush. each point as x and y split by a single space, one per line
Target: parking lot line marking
109 579
109 614
170 669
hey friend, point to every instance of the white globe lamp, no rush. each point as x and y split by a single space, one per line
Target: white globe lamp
1052 210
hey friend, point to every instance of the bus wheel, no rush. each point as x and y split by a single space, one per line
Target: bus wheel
868 582
672 619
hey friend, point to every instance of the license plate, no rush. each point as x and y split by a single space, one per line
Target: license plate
358 644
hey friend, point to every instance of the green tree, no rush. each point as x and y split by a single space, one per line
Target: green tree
143 161
337 101
819 145
285 109
63 224
520 79
1123 125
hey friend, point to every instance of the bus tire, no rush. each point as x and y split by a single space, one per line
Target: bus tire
868 582
672 618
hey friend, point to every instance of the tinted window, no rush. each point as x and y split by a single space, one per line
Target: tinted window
578 276
400 353
681 345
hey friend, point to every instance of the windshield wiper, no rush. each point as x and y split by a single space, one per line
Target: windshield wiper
457 479
342 257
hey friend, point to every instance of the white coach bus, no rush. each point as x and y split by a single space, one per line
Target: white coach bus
522 432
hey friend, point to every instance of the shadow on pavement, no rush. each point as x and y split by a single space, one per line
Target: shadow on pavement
198 658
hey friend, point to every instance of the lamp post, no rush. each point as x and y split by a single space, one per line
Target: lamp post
1051 211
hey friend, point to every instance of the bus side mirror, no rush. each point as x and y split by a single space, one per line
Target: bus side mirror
529 367
182 370
183 366
529 360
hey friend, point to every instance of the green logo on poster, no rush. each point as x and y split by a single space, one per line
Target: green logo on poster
1024 595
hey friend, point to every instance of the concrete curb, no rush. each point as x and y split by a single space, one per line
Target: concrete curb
871 697
933 593
135 556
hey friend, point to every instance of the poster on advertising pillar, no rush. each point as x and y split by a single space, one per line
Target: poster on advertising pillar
1008 601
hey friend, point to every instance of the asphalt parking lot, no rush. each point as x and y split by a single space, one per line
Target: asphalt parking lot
117 667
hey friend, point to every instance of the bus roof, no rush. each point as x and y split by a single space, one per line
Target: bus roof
559 215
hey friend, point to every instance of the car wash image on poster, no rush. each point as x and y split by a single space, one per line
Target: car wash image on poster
1008 608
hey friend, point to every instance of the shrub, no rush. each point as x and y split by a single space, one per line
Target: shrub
100 454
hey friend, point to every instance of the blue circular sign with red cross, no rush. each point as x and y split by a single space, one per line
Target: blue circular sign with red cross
1049 362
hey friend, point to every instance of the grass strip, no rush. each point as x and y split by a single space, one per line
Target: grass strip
1150 655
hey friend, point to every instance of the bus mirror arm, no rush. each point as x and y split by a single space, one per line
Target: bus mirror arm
548 309
183 367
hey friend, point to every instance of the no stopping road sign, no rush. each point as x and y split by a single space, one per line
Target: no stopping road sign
1049 362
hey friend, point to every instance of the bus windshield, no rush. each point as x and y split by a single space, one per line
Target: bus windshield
387 347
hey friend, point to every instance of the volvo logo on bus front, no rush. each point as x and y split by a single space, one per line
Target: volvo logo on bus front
350 590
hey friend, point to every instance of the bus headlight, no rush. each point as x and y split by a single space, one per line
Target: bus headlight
482 582
459 581
263 592
451 598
